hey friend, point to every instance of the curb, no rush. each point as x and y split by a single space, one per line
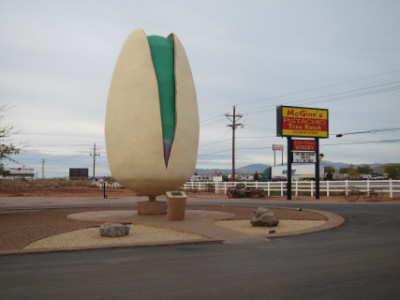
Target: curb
333 221
114 246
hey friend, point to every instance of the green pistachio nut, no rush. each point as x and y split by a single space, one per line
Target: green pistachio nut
152 122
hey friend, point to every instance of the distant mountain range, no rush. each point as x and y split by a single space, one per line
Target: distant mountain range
260 168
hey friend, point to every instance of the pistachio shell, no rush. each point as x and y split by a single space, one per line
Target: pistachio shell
133 127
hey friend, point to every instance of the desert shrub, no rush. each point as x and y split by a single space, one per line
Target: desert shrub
333 194
210 187
276 193
240 186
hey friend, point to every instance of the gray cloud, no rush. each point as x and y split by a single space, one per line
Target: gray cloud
57 59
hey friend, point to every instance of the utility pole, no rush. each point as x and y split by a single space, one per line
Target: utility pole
94 154
233 118
42 161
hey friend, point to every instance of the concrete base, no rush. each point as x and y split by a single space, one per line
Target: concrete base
152 208
176 209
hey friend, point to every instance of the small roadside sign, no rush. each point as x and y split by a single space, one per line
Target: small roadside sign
304 157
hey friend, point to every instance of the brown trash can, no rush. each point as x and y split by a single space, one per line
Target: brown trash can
176 205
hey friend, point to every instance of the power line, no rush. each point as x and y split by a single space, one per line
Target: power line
310 90
322 145
220 140
367 93
364 142
373 131
244 148
330 97
323 87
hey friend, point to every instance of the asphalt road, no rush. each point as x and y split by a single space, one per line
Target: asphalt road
359 260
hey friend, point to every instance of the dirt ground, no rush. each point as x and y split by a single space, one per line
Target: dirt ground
91 191
21 227
63 191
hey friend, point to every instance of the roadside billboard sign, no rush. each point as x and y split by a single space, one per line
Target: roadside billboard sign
22 171
302 122
277 147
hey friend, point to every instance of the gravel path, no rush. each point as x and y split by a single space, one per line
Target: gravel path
91 237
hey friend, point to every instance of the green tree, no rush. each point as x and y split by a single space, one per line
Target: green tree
256 176
393 170
365 170
6 147
352 172
329 171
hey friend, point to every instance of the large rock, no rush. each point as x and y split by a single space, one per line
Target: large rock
262 216
114 230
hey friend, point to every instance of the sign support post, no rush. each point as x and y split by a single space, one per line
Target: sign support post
289 170
317 169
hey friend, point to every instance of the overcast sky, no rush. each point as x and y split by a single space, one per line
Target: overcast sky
57 59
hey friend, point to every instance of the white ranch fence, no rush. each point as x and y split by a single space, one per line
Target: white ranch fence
328 188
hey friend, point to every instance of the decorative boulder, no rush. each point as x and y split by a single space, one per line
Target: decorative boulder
262 216
114 230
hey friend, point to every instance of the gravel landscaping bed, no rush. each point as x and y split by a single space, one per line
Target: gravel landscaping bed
23 227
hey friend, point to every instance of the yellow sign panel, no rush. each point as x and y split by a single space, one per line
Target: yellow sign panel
306 122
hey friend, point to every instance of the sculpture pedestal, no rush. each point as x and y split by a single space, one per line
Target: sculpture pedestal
176 205
152 208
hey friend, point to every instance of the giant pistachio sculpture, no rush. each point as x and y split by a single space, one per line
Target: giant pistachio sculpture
152 123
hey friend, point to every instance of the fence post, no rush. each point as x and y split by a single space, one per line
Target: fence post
312 188
368 192
297 187
346 184
327 188
390 189
281 188
269 189
104 190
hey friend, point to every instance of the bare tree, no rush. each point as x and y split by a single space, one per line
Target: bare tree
7 148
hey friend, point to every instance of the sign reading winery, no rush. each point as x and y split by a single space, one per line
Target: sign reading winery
304 145
302 122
